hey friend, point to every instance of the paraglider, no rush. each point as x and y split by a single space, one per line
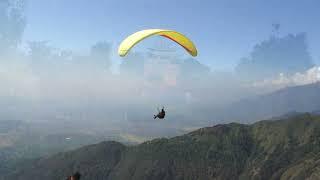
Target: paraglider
161 114
128 43
175 36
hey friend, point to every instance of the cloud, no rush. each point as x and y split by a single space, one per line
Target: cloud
310 76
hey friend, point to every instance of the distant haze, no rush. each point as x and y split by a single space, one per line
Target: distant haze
41 81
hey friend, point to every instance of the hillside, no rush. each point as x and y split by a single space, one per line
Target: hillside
274 149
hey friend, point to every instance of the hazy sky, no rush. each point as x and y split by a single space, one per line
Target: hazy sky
223 30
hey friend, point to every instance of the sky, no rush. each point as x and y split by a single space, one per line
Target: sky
223 30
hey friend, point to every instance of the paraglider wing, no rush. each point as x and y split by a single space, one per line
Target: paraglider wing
177 37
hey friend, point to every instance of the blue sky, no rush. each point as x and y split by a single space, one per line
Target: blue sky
223 30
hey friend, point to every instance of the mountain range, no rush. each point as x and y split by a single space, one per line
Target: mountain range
304 98
286 148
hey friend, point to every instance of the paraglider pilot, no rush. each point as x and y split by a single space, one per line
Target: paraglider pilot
161 114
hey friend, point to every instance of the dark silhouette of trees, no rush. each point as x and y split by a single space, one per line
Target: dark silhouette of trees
276 55
133 64
42 56
101 55
39 49
12 21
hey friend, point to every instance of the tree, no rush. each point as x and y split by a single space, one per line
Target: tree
13 22
276 55
101 54
41 56
133 64
39 49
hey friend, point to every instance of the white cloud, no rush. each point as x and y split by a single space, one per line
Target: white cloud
308 77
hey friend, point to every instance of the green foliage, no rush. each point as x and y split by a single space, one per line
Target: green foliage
274 149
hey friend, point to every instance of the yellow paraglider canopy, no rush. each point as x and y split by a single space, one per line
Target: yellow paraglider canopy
177 37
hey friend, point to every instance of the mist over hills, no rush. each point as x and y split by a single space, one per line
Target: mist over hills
54 99
304 98
22 140
273 149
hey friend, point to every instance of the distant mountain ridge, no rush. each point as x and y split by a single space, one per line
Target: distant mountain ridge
304 98
275 149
